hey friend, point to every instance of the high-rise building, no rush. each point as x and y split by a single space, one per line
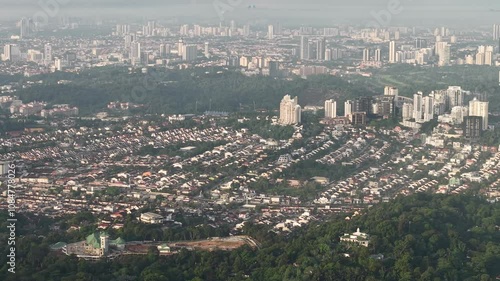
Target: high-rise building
184 30
330 109
207 50
180 47
320 49
455 96
27 27
472 127
362 104
328 54
428 108
488 58
496 31
407 111
189 52
290 111
164 50
444 52
391 91
348 108
274 69
479 108
480 59
270 32
418 106
11 52
366 54
392 52
246 30
47 53
458 113
304 48
420 43
378 55
135 52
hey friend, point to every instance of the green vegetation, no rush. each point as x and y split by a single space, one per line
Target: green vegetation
422 237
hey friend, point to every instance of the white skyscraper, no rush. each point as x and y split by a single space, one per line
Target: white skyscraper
407 111
330 109
479 108
304 48
320 49
207 50
290 111
444 52
428 108
180 47
378 55
189 52
496 31
348 107
417 107
270 32
392 52
366 54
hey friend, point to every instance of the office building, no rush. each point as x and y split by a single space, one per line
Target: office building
290 111
496 31
479 108
330 109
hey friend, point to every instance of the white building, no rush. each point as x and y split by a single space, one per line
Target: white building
479 108
357 237
290 111
330 109
348 105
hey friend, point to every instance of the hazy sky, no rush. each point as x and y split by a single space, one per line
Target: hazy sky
466 12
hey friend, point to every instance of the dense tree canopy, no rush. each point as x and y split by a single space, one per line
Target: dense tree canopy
422 237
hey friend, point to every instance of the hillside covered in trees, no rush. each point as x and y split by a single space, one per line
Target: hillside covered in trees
421 237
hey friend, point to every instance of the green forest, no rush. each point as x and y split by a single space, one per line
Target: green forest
421 237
